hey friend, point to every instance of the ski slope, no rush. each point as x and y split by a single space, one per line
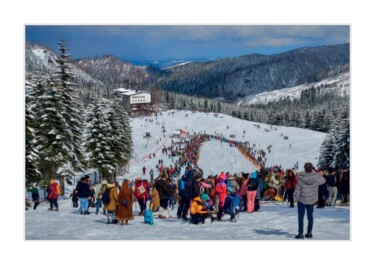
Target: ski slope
301 146
274 221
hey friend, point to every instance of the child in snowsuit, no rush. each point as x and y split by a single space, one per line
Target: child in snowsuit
35 195
74 198
198 212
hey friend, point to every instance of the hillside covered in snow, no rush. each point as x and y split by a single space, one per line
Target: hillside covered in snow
274 221
338 85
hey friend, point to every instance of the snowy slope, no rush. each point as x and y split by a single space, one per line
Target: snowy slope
274 221
339 84
305 144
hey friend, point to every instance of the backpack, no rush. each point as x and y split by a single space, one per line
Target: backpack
58 189
181 187
185 186
148 218
188 187
106 199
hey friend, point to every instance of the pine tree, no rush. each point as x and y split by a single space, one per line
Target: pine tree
342 145
98 140
121 134
307 120
32 153
327 152
55 150
72 104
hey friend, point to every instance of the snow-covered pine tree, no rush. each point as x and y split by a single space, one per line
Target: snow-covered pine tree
307 120
327 152
54 148
121 134
99 153
72 107
342 145
32 153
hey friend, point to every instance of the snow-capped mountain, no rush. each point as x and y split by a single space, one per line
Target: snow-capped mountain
112 70
43 60
339 85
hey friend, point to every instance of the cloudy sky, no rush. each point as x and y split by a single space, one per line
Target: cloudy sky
183 42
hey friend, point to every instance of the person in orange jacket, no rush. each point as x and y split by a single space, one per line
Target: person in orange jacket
198 211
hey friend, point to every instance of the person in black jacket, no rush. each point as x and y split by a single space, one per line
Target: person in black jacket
83 192
184 192
331 187
164 193
196 188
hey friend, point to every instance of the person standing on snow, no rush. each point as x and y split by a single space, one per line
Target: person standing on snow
99 195
83 194
111 207
144 170
307 195
164 193
290 185
331 187
53 194
35 195
221 192
142 193
125 198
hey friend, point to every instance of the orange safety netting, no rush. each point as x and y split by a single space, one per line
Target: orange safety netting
249 158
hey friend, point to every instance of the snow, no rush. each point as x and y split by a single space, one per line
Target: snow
274 221
305 144
339 84
176 65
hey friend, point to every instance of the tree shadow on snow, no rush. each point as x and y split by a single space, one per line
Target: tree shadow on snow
273 232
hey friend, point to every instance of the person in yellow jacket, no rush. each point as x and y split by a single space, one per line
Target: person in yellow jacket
111 207
199 212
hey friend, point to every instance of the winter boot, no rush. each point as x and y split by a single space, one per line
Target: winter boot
299 236
309 235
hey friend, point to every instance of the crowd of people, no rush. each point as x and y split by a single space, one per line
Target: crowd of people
199 198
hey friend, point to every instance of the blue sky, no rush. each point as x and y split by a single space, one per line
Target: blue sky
183 42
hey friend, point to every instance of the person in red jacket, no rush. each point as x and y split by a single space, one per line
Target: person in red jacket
290 186
53 194
221 191
142 193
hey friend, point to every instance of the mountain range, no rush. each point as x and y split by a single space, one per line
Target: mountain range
231 78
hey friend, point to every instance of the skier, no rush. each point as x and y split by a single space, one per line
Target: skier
151 174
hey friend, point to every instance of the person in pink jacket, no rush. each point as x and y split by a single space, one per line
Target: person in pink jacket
221 193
